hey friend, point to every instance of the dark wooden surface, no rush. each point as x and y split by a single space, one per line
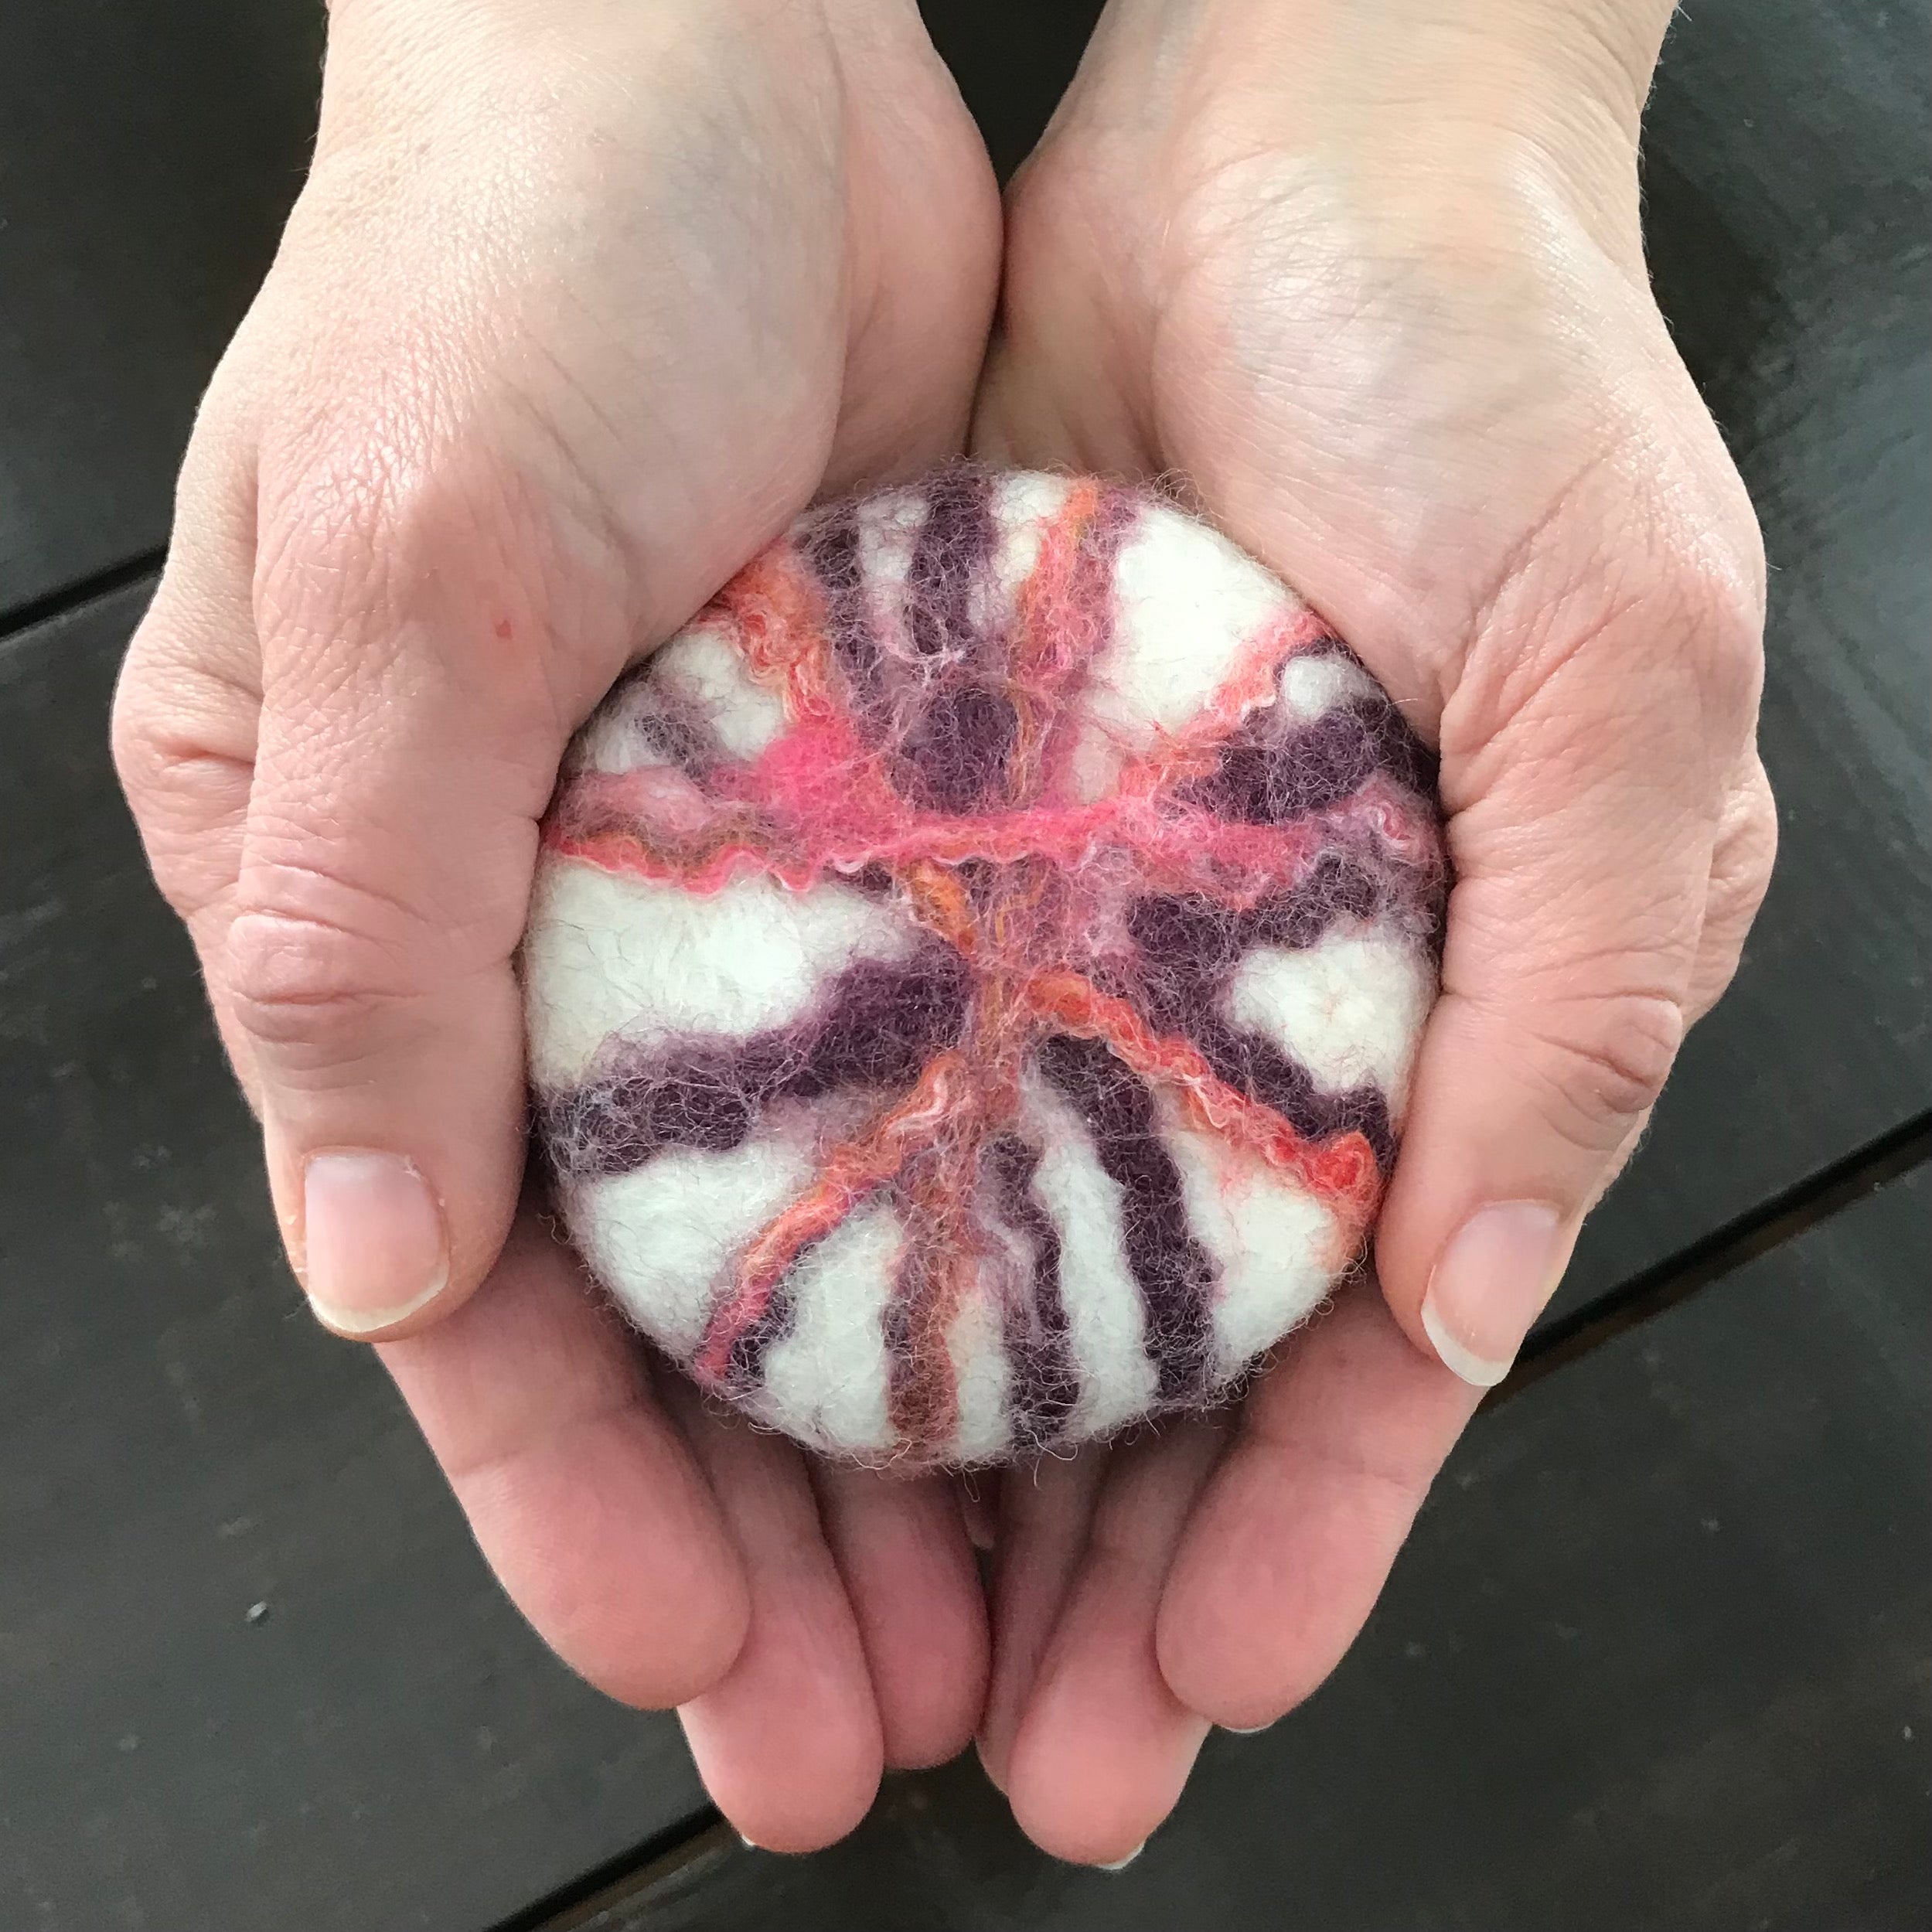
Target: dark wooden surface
1787 166
149 150
1659 1654
1013 59
382 1742
1613 1716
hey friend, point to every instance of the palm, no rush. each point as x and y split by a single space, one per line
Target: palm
1386 403
667 374
1423 422
1221 1569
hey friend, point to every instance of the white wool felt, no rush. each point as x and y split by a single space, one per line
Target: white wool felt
906 1188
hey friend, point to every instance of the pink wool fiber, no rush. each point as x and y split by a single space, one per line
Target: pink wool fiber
976 970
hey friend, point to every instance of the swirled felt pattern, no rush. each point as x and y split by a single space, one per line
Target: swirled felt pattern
975 969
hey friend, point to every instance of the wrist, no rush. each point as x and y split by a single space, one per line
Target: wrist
1430 103
1498 58
417 72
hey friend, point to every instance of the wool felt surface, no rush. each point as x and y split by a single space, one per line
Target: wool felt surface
975 968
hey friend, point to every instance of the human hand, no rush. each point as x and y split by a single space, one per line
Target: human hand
1368 273
582 303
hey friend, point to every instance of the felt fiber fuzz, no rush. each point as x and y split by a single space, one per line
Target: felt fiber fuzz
975 968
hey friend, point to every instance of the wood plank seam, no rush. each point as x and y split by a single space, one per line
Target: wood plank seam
64 598
1769 1224
698 1840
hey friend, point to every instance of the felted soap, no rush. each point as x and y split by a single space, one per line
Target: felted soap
975 971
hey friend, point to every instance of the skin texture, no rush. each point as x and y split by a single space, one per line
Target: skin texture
1370 278
555 343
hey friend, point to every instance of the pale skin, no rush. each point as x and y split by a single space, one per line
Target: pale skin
583 301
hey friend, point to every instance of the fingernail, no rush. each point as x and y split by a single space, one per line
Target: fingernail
750 1845
1246 1730
1121 1865
1495 1278
374 1248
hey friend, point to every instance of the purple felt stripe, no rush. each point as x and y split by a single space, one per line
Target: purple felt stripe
1044 1379
744 1366
1260 1069
677 735
959 723
954 756
1177 1276
1189 949
1269 776
831 549
951 557
878 1025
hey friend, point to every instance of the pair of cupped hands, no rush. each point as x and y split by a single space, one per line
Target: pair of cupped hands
583 301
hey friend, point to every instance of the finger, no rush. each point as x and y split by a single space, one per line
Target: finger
418 688
1066 378
901 1550
1103 1746
788 1743
979 1494
579 1491
1584 757
1045 1507
1021 421
1292 1540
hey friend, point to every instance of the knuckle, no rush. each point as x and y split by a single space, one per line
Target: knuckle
1741 867
420 495
294 980
147 698
416 520
1724 623
1606 1063
1746 852
180 745
345 503
390 479
137 758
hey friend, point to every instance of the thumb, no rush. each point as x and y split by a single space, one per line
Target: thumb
1582 828
415 707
